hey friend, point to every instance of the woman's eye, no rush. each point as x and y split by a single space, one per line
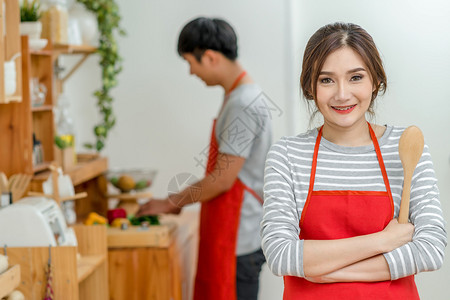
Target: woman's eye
356 78
326 80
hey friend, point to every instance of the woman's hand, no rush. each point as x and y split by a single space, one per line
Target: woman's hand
396 235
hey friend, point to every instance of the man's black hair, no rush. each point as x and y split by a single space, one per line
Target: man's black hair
203 33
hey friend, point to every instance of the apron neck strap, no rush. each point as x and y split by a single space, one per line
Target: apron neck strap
236 82
377 150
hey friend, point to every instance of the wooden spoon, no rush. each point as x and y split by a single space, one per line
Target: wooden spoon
410 148
18 184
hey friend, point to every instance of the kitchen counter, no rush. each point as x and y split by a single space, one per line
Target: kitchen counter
157 263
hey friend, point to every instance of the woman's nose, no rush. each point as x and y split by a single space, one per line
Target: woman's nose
343 91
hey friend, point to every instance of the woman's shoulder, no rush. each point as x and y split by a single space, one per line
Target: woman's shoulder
306 139
391 135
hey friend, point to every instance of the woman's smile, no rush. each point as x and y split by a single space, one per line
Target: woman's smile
344 109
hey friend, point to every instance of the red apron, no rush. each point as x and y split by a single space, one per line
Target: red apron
219 222
342 214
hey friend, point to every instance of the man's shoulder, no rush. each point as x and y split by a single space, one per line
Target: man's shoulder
245 95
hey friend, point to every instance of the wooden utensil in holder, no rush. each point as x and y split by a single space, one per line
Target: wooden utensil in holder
18 184
55 185
410 148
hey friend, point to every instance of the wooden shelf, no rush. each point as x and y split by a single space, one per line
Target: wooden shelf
41 167
10 99
41 52
74 49
88 264
9 280
87 170
42 108
82 172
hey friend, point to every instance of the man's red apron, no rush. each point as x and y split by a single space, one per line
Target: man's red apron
342 214
219 222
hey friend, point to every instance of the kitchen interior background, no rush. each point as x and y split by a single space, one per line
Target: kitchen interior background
164 115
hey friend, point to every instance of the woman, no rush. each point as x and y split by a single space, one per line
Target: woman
332 194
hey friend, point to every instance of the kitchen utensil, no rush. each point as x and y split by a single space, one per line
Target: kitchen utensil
4 183
410 148
18 184
62 199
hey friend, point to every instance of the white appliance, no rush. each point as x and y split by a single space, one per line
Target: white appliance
34 222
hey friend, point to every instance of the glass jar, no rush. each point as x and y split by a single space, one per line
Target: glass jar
55 21
65 126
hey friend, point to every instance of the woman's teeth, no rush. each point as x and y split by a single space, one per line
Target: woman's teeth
343 108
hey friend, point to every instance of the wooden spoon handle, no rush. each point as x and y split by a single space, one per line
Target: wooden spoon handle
403 216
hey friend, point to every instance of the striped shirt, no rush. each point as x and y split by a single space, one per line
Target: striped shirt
286 184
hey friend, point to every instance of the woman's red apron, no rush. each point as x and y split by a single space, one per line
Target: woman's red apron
219 222
342 214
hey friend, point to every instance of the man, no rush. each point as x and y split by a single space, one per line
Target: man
230 257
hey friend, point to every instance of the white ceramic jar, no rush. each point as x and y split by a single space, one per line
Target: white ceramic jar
10 78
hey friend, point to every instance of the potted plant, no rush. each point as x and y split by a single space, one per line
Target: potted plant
29 19
108 19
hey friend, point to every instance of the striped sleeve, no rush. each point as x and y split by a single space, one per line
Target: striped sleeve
280 225
426 251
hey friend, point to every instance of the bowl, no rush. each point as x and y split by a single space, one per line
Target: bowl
37 44
131 180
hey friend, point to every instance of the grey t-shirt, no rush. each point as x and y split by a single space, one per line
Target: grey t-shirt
244 129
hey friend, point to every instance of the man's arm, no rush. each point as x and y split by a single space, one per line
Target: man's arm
220 180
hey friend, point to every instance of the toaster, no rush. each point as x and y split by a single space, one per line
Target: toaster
34 222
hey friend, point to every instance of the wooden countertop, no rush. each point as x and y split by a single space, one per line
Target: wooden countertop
178 227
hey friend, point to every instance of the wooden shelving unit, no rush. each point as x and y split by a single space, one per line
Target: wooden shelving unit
19 121
73 279
9 40
86 278
9 280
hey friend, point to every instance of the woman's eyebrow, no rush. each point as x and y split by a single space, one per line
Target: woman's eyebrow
359 69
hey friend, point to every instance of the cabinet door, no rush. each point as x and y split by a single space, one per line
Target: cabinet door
143 273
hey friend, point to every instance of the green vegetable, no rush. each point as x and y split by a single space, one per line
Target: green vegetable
152 220
141 184
114 180
60 143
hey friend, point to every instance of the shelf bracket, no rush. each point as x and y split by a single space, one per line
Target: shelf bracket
75 67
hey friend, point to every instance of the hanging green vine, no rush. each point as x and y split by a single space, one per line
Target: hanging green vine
108 19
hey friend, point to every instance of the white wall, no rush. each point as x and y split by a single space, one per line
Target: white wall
164 114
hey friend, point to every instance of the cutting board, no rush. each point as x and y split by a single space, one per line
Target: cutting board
159 236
